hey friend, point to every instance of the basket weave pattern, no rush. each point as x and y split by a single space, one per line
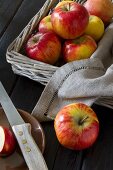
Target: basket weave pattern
23 65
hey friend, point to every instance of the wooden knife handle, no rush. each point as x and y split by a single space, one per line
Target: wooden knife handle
32 154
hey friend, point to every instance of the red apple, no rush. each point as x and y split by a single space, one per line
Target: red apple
79 48
101 8
44 47
76 126
70 20
7 141
45 24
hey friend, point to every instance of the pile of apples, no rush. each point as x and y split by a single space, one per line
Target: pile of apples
61 34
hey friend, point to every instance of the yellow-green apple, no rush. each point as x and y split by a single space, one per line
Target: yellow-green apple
101 8
76 126
70 20
79 48
45 24
44 47
7 141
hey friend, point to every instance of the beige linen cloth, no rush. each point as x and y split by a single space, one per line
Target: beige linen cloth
87 81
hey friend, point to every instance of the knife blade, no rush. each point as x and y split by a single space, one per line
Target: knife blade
32 154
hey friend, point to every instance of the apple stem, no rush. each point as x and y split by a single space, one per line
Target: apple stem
82 120
66 8
69 7
35 40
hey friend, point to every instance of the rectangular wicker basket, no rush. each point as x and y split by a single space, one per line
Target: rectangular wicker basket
21 64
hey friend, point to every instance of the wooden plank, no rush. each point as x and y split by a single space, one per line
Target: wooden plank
69 159
27 10
8 9
52 145
26 94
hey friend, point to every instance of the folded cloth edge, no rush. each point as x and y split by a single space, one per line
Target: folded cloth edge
41 110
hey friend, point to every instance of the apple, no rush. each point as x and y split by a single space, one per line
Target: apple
7 141
76 126
69 20
95 28
101 8
44 47
79 48
45 24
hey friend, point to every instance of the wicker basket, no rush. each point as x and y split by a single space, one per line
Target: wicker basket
23 65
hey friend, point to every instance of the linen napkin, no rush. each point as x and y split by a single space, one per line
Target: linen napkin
87 81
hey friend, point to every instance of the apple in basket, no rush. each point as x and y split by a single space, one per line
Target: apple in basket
44 47
101 8
7 141
76 126
70 20
79 48
45 24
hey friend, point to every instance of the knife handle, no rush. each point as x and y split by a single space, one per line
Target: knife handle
32 154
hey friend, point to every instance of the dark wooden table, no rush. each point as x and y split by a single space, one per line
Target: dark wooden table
14 15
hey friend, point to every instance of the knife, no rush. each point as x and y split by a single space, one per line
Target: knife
32 154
